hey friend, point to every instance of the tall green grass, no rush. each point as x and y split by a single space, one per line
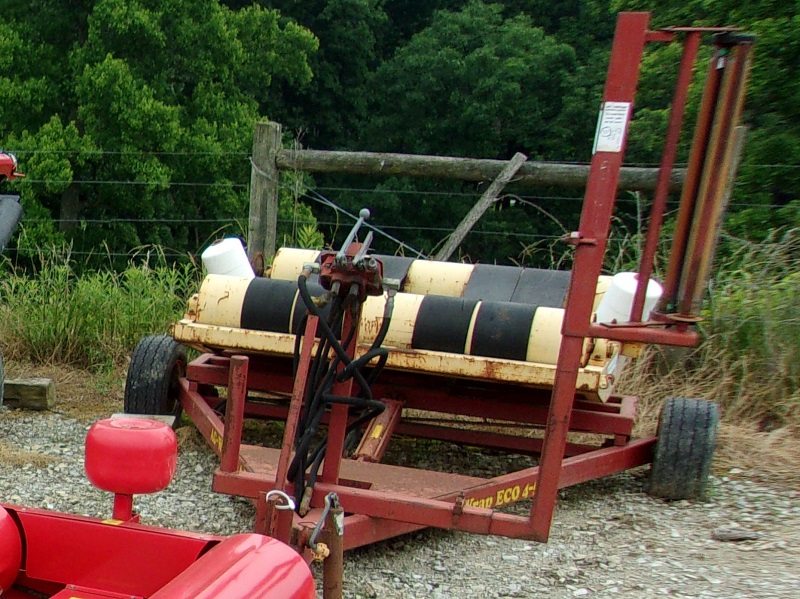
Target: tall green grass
753 325
748 360
93 320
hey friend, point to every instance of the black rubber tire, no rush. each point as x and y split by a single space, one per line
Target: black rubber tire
687 436
152 384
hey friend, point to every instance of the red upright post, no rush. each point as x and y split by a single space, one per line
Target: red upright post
590 244
674 126
296 405
234 413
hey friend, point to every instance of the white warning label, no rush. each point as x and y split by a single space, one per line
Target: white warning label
612 126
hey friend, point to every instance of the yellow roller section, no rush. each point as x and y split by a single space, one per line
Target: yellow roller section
544 342
220 300
401 328
288 263
430 277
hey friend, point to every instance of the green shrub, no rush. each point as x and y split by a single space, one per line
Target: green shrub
753 320
92 320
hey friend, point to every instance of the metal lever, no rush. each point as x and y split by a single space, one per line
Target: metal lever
362 216
358 259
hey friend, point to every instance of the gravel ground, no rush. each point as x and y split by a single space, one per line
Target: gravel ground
609 539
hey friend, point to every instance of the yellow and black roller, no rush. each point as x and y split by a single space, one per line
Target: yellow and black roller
258 304
497 329
483 282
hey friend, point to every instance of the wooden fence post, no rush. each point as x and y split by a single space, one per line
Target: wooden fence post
264 191
487 199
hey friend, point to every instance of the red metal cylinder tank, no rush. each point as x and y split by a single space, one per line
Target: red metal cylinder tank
131 455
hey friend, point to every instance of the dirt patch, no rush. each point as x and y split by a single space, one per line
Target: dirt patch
13 458
80 394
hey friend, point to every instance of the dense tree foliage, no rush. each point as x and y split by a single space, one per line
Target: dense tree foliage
141 96
139 113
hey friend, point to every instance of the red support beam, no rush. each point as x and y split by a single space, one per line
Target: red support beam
598 207
234 413
658 209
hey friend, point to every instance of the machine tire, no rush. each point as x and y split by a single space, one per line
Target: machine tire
687 435
152 384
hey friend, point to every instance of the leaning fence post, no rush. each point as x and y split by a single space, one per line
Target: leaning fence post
481 206
264 191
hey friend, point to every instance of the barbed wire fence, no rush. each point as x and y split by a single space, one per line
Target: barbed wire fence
321 196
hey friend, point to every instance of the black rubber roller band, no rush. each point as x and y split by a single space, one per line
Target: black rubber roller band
492 283
442 324
542 287
502 330
315 289
395 267
267 305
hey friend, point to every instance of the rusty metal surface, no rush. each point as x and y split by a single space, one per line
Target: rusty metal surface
296 404
453 365
679 336
426 498
705 228
521 445
333 566
234 413
658 208
380 477
379 432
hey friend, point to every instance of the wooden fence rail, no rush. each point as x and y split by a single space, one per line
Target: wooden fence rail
531 174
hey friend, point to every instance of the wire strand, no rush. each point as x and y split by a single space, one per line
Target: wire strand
317 197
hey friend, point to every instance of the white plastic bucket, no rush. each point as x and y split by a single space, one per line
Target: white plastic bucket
227 257
618 299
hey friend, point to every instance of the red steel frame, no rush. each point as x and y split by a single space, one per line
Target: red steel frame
384 501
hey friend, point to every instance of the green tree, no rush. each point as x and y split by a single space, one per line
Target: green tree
328 109
148 96
766 196
473 84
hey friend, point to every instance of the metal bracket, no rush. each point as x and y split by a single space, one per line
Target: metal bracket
576 239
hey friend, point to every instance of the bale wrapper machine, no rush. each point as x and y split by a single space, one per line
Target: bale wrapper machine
351 350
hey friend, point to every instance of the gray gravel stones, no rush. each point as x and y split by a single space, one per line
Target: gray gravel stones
61 484
609 539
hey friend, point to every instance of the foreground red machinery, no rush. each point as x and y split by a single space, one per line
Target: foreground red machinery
10 207
350 350
50 554
8 167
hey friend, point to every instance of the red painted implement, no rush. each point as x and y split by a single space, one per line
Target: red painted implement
50 554
313 362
